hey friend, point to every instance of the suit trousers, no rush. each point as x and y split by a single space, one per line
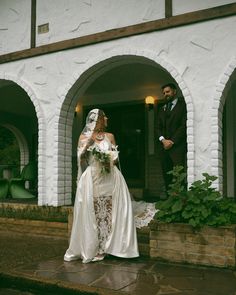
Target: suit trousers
168 161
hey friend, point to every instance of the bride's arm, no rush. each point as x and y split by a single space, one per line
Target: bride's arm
83 145
115 151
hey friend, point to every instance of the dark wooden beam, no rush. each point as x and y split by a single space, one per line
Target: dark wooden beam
33 24
168 8
161 24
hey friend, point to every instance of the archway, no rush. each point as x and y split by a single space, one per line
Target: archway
223 138
18 114
23 146
9 154
229 138
81 89
121 92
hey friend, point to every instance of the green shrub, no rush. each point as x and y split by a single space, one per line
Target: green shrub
200 205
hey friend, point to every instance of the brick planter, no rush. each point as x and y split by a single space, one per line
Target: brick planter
180 243
40 227
166 241
34 227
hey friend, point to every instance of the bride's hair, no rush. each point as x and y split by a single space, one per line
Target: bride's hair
95 122
100 124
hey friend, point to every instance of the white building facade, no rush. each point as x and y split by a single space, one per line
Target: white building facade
64 54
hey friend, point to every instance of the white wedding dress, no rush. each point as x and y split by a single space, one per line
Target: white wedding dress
105 218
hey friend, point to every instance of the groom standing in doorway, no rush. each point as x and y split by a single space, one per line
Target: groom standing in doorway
171 131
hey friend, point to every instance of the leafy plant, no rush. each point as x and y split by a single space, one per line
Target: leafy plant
200 205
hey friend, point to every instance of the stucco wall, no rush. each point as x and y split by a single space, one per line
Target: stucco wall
183 6
81 18
196 56
15 22
76 18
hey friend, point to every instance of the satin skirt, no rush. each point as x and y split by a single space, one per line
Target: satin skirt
122 241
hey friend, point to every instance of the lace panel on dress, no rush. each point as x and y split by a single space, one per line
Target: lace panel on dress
103 213
143 213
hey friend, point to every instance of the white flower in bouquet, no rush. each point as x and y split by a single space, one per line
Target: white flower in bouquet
104 158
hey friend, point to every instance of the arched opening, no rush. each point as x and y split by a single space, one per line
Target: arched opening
121 93
22 144
18 119
119 85
9 154
229 138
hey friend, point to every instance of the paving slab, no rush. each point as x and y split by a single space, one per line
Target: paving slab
37 264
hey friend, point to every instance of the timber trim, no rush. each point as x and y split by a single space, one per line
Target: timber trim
168 8
151 26
33 24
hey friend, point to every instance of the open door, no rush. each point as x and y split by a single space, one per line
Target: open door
127 123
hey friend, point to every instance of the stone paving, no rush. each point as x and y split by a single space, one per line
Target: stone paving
39 261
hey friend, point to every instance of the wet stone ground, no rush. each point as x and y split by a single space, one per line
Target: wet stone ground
37 259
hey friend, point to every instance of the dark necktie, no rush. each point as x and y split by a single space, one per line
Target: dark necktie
169 106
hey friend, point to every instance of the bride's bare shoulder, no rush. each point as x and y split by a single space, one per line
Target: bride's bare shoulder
111 137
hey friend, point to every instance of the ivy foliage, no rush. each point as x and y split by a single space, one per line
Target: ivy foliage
200 205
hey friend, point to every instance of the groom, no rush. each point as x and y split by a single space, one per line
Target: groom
171 132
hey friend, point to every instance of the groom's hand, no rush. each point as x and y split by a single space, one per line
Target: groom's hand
167 144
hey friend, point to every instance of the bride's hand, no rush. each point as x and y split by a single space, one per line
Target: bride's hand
90 141
114 156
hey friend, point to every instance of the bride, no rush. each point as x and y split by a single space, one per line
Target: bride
103 219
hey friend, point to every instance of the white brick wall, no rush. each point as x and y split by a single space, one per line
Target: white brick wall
216 119
56 82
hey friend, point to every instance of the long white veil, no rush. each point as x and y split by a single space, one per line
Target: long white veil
86 139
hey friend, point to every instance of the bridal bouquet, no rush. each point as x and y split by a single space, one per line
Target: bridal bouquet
103 158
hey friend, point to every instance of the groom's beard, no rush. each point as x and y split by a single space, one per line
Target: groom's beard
169 98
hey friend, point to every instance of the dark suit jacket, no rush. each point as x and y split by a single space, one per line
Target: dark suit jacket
172 125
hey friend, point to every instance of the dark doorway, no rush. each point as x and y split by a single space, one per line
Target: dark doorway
229 141
9 154
127 123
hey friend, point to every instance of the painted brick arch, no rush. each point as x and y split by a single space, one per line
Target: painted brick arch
41 133
216 123
68 100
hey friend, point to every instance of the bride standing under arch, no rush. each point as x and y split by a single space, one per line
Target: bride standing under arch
103 221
